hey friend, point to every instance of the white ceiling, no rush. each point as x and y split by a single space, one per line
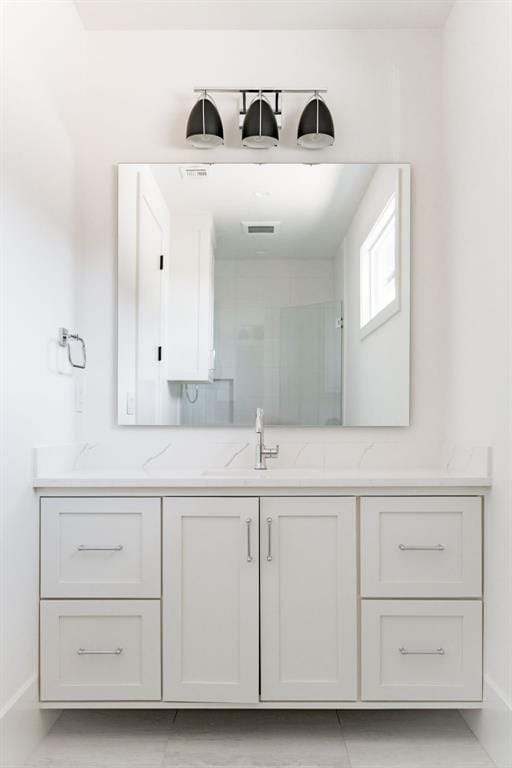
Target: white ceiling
313 204
263 14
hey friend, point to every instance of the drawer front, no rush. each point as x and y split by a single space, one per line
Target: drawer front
421 546
421 650
100 547
100 650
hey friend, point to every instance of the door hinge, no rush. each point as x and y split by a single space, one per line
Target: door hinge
161 261
159 354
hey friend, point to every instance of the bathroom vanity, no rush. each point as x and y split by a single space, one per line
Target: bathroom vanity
284 287
281 588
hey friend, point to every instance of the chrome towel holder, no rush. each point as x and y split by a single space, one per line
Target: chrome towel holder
64 341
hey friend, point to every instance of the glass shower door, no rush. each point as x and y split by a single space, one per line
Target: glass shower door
310 379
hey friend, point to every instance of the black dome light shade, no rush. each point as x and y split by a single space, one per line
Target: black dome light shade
204 126
260 129
316 126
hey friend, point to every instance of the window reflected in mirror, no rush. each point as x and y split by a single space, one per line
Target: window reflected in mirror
379 269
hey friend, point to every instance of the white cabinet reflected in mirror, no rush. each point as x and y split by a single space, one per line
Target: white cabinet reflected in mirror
281 286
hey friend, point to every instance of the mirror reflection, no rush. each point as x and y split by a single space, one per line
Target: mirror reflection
278 286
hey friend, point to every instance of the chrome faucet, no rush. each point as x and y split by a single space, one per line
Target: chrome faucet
262 453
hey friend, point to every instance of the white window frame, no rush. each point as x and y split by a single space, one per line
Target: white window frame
376 231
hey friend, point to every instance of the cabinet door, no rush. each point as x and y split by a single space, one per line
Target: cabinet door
210 599
308 599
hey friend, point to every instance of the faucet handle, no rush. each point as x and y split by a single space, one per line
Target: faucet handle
259 420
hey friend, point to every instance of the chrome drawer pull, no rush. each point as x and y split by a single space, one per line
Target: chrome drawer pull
434 547
269 539
87 548
434 652
248 524
86 652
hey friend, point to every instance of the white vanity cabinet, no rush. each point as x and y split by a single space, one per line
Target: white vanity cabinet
101 647
216 550
421 649
260 597
308 599
211 599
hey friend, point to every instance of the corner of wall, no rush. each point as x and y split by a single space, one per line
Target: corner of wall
492 725
23 725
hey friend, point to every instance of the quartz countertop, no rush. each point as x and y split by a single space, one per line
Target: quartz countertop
149 462
270 478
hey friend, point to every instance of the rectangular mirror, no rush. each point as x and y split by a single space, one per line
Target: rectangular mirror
281 286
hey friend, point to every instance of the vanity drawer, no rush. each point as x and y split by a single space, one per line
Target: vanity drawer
100 547
421 650
100 650
427 546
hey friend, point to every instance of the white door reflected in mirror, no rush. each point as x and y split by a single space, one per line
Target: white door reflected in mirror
282 286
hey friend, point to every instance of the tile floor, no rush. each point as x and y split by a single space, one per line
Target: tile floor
260 739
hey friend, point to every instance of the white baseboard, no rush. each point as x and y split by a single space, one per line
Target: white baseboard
492 725
23 724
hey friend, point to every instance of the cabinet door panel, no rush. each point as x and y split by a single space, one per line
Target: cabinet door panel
308 601
210 599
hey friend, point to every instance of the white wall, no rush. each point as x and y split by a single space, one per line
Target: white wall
478 252
42 86
376 373
384 92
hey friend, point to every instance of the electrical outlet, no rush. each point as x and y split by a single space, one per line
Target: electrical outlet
130 404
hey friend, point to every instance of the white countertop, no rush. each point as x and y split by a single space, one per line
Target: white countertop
270 478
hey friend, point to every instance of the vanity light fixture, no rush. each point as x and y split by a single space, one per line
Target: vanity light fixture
260 121
259 130
316 126
204 126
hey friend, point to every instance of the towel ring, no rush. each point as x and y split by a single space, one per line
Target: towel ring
64 341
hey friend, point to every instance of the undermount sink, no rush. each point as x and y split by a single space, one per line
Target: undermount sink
255 474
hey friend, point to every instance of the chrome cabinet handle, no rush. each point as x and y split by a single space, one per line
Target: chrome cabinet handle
434 547
269 539
88 652
433 652
248 524
87 548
